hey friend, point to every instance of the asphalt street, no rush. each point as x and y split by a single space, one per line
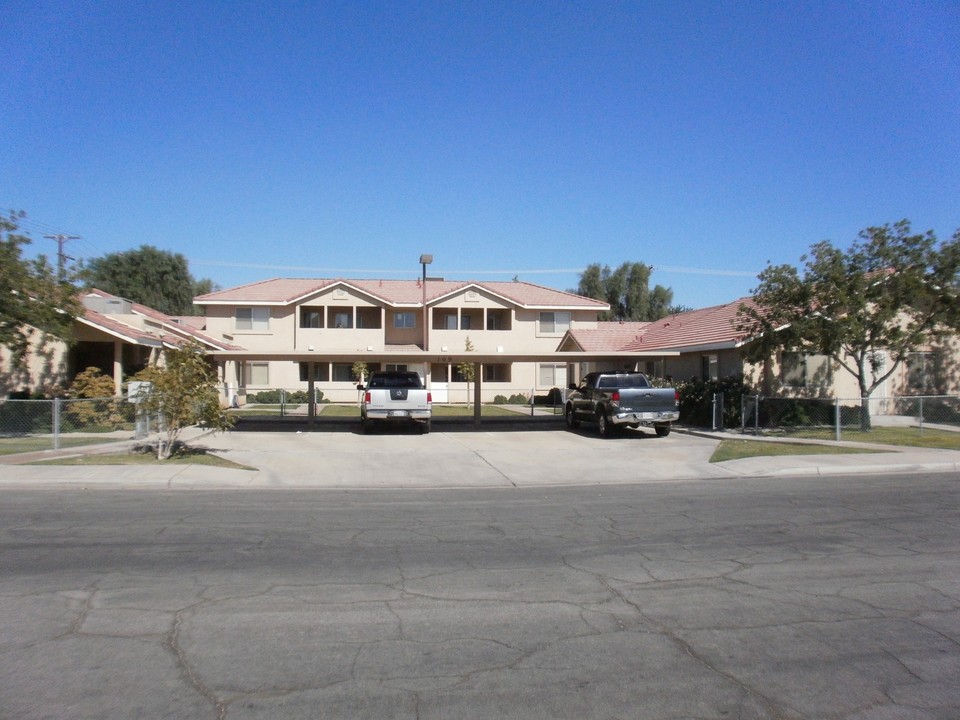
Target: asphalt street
710 598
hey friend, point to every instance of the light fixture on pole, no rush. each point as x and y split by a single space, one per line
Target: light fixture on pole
424 261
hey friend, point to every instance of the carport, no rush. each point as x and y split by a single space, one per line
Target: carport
414 357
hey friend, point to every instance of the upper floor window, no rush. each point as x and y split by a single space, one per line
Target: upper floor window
311 318
554 322
252 318
343 319
405 320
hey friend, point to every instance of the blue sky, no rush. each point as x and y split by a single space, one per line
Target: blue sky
299 139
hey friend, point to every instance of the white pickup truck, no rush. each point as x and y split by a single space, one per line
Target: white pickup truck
395 397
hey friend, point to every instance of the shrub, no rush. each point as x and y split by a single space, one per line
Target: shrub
291 397
696 400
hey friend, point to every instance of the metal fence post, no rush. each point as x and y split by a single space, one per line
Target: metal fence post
836 408
921 414
56 423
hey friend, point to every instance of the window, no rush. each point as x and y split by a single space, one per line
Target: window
551 376
342 372
497 320
369 318
258 375
253 318
923 372
450 322
311 318
321 372
405 320
464 322
800 370
458 374
343 319
709 367
496 373
440 373
554 323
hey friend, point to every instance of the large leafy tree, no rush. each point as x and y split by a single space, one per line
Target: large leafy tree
32 296
153 277
890 294
183 392
627 291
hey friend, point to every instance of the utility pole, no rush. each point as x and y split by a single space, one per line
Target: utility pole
61 256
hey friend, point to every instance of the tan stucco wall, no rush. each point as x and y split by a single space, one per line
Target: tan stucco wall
42 370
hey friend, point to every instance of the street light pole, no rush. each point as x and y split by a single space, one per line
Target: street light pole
424 261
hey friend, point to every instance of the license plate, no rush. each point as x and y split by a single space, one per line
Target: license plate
399 413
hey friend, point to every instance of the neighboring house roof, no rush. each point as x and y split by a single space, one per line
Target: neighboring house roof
607 336
176 331
705 329
398 293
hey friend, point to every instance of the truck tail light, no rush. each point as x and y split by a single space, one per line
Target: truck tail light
429 398
366 397
615 396
676 397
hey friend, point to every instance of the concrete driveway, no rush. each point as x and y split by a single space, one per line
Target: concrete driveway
454 455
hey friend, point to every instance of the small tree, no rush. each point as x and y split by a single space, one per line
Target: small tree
359 372
892 292
466 368
94 384
183 393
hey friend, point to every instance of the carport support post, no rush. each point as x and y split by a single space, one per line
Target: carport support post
477 379
311 408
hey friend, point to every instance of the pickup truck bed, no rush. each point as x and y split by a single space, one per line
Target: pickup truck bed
395 397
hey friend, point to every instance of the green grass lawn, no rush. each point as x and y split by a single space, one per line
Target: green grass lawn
188 457
903 436
10 446
740 449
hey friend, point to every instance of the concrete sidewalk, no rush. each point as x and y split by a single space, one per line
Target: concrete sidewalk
338 457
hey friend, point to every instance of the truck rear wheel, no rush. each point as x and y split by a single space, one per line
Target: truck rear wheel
604 425
571 419
662 430
425 427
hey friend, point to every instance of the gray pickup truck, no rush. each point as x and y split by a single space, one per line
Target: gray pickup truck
395 397
614 400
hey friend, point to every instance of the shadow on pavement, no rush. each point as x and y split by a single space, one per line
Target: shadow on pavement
438 424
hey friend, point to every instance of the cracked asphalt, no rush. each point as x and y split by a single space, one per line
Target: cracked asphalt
707 599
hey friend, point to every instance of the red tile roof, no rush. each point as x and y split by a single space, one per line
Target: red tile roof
712 326
287 291
177 331
708 327
607 336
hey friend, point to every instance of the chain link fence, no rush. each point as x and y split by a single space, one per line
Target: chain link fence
840 416
29 425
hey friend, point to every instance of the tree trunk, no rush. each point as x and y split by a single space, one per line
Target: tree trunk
865 424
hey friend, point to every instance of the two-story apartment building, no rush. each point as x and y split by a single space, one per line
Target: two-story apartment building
363 320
